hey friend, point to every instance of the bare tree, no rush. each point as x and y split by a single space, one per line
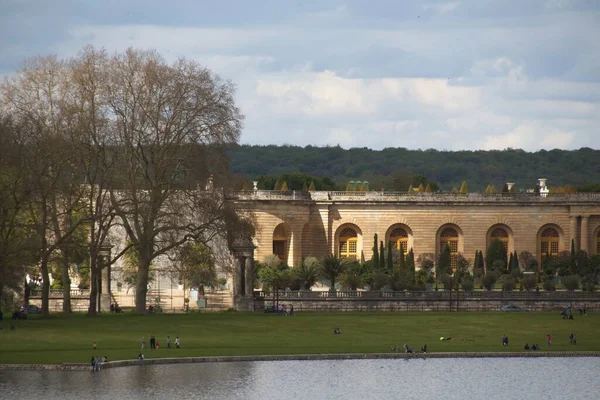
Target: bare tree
171 123
15 239
35 97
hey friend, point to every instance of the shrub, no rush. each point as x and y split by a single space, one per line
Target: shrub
467 284
489 280
509 285
529 282
588 286
571 282
549 286
447 281
379 281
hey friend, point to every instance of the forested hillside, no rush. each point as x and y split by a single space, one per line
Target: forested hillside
449 169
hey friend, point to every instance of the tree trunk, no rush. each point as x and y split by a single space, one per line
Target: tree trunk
66 284
45 287
93 285
141 285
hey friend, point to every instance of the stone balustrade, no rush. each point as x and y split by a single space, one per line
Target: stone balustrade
383 196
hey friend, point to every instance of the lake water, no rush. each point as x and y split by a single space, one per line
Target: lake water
474 378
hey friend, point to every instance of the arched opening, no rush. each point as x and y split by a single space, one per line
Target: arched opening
502 235
348 244
280 244
549 242
399 239
449 237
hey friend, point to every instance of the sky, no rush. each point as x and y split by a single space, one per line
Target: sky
448 75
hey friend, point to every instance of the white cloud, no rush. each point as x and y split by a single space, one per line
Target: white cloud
442 8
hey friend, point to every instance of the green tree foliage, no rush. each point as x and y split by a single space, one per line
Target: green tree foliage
196 265
464 189
352 278
477 267
277 185
496 252
381 256
571 282
308 272
447 168
284 187
331 268
529 282
428 188
508 285
410 261
444 266
489 280
304 187
375 258
389 257
515 270
246 187
312 187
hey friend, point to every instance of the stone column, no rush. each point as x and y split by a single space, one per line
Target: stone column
105 296
249 277
238 277
585 233
573 231
295 252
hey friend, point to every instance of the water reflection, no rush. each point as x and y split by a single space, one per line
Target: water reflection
539 378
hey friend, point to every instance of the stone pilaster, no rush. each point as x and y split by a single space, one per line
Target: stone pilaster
238 279
105 285
573 231
585 233
249 275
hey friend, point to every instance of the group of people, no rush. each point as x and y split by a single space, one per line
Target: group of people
96 362
114 308
155 344
533 347
283 310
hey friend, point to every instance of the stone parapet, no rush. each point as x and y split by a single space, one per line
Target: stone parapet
299 357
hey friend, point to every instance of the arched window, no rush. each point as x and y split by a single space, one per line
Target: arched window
501 235
348 244
449 237
399 239
549 244
280 242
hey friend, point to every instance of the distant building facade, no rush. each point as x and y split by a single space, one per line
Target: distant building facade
295 225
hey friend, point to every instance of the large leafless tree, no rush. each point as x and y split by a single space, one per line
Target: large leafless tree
171 123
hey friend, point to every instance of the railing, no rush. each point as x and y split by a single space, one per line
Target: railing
383 196
271 195
431 295
59 293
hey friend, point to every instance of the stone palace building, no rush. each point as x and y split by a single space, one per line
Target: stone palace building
295 225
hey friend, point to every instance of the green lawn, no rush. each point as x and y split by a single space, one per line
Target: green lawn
69 338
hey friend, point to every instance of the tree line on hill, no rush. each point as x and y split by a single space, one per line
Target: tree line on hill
397 168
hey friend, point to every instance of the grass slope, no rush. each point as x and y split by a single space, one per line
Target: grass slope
61 338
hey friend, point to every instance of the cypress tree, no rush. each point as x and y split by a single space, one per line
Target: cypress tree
375 259
454 190
420 188
277 185
381 256
401 260
444 263
428 188
464 188
284 187
312 188
496 252
410 260
505 188
410 188
390 260
245 187
510 262
304 187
